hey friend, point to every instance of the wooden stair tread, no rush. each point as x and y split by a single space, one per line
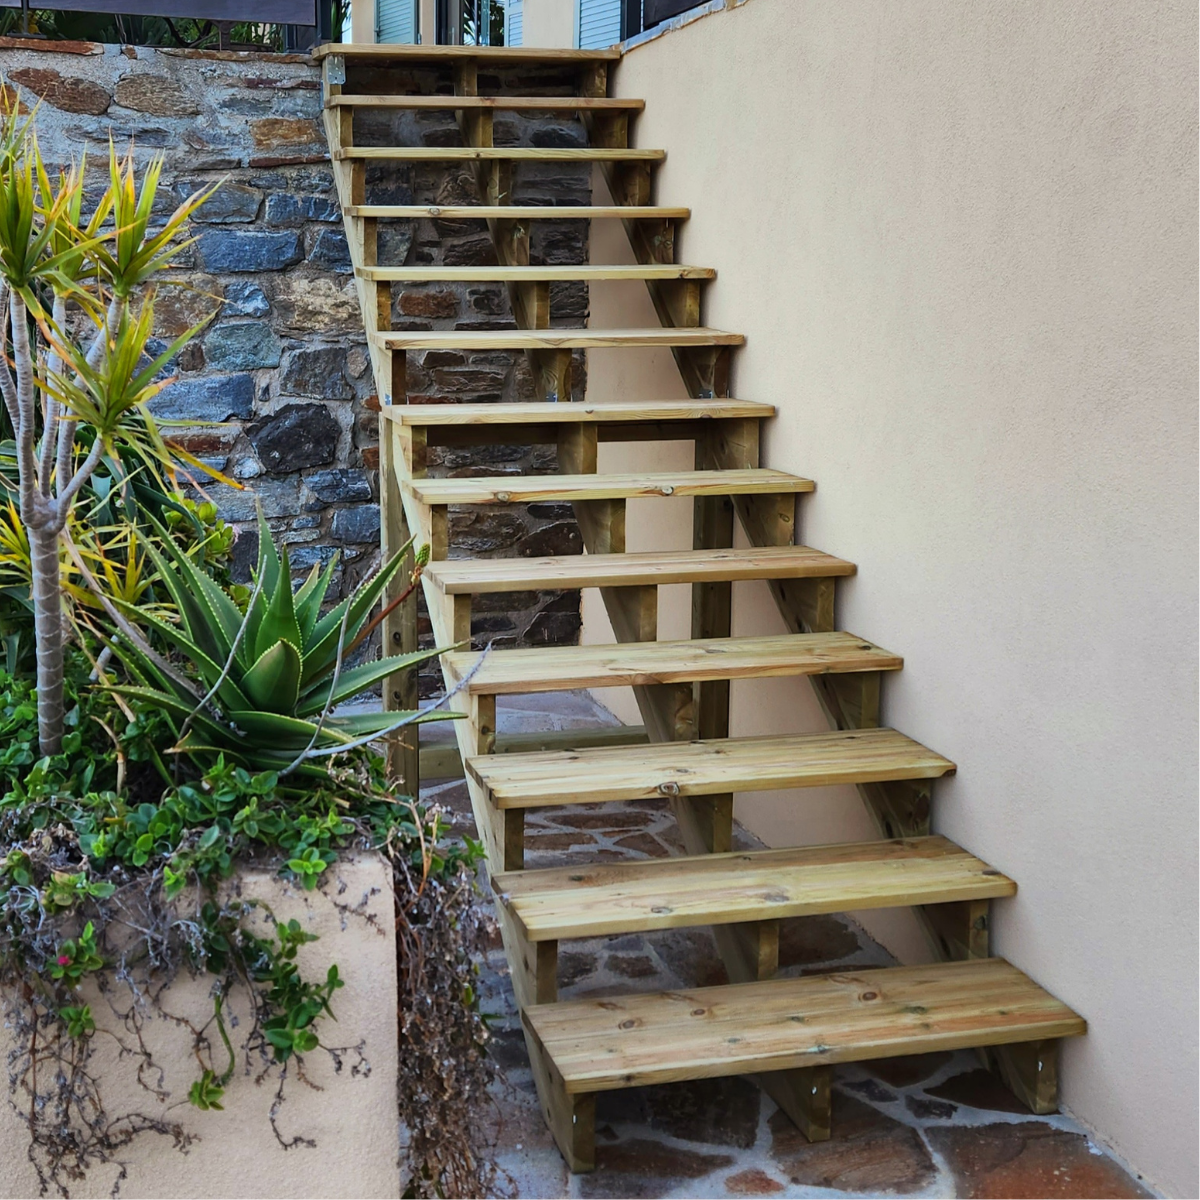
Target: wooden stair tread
470 576
487 153
599 900
498 55
704 767
552 339
516 489
631 1041
560 668
534 103
533 274
519 212
539 412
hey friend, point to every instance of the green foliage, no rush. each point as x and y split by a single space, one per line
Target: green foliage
77 957
78 1020
269 673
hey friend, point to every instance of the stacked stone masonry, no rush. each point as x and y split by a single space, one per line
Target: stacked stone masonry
277 392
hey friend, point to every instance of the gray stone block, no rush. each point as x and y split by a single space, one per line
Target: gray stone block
286 208
342 485
246 250
245 300
297 436
358 524
242 347
319 372
330 251
207 398
279 498
231 202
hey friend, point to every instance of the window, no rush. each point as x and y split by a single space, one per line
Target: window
396 21
599 24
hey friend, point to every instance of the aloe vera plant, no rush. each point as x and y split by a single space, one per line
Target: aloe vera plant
262 682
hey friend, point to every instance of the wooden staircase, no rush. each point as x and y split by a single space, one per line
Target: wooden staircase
786 1032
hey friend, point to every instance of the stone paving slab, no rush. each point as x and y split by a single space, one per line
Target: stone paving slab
929 1125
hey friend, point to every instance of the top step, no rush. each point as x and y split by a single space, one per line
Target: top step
452 103
496 55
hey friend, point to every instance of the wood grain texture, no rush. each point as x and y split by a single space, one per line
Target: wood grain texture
484 55
718 889
585 272
519 489
632 1041
519 212
508 103
580 154
553 339
630 570
557 668
706 767
623 411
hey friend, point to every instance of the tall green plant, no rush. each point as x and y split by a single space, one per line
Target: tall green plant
58 271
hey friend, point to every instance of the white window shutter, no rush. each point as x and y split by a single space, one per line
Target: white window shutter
599 24
396 21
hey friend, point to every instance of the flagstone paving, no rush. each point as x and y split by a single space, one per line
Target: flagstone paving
933 1125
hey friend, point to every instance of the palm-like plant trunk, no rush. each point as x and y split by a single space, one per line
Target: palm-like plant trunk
48 636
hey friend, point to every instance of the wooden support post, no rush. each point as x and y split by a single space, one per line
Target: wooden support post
1030 1071
383 305
460 618
538 966
571 1118
804 1094
369 227
400 634
705 370
552 373
960 929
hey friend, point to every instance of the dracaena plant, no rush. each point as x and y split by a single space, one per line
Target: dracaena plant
262 680
75 401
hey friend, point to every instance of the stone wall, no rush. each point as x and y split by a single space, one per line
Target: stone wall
281 378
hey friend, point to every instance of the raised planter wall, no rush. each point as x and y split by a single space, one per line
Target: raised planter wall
348 1112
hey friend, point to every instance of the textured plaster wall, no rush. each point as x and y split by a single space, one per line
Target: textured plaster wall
961 240
346 1109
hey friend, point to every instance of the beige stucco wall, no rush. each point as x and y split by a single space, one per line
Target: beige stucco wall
350 1115
961 240
548 23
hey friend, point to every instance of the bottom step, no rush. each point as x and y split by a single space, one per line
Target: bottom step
662 1037
788 1032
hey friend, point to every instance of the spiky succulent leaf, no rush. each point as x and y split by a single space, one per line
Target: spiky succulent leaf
320 654
357 679
311 596
273 683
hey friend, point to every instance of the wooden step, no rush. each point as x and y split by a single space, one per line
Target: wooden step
519 489
604 899
552 339
560 668
580 154
519 212
699 1033
476 576
704 768
495 55
540 413
584 272
514 103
